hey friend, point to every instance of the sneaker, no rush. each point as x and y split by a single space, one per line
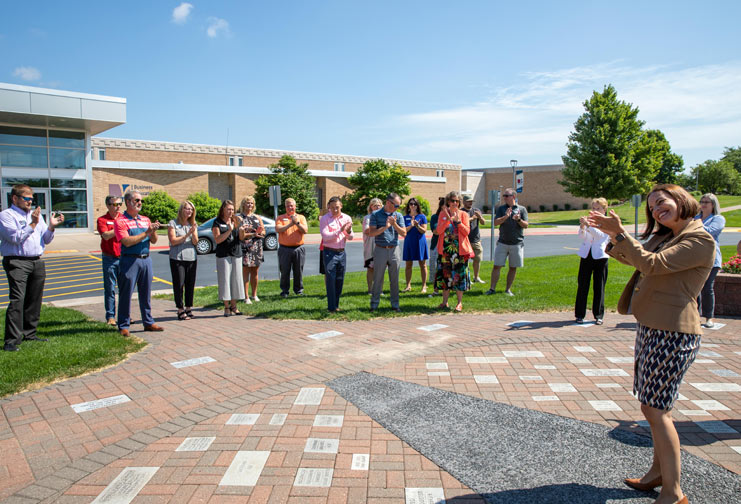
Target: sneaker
509 293
284 295
247 300
111 322
478 280
490 292
256 299
580 321
598 321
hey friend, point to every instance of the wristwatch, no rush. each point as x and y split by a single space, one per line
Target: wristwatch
619 237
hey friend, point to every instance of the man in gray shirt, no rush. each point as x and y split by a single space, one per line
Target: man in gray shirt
512 220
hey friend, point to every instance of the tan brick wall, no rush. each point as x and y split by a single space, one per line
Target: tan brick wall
541 188
177 184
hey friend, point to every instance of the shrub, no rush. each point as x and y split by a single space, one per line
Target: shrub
733 265
424 206
206 206
567 206
529 209
160 206
555 207
485 208
542 208
584 206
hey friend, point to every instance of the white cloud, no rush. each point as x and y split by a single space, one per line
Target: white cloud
181 12
698 108
27 73
217 26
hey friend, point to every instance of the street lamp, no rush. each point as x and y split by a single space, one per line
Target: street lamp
513 164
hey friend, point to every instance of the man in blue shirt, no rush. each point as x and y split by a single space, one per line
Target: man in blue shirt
24 235
386 225
135 232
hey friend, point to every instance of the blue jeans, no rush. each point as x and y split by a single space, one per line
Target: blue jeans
334 276
110 276
135 273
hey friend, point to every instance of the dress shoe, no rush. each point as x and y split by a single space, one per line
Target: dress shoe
683 500
643 487
11 348
397 309
111 321
35 338
124 333
153 328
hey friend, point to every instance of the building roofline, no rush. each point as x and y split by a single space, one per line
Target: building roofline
255 152
58 92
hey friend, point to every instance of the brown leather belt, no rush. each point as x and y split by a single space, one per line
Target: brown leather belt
334 250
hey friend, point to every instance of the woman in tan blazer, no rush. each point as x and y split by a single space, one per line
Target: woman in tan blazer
671 268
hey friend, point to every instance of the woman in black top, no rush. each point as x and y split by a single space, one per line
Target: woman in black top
228 234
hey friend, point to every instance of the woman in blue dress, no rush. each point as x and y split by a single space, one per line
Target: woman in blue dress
415 244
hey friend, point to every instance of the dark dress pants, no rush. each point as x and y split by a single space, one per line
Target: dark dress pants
291 260
183 281
595 270
334 276
26 289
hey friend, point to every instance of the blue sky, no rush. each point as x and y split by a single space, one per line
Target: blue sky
473 83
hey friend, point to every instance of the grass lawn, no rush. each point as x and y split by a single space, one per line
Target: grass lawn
77 345
546 283
733 218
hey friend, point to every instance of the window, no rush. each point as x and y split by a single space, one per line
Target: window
231 160
239 160
101 154
339 167
441 173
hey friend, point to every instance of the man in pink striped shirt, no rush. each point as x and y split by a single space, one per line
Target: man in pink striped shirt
336 228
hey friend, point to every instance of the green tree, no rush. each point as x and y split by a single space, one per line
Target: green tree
375 179
608 153
733 156
294 181
671 164
206 206
424 205
160 206
717 177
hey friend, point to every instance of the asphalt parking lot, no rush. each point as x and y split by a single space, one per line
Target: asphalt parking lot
72 277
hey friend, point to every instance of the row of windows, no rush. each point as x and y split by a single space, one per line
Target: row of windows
41 137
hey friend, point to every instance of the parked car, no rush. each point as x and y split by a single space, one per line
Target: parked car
206 243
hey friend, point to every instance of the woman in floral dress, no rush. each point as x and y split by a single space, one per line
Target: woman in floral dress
454 251
254 232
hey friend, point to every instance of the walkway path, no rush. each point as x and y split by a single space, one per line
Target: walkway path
294 439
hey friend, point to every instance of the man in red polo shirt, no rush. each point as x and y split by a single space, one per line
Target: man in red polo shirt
111 249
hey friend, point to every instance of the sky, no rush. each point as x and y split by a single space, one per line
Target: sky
475 83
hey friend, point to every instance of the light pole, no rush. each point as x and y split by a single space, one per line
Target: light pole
513 164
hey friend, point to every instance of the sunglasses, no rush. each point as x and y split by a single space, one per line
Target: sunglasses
27 198
115 204
509 195
395 205
137 200
455 201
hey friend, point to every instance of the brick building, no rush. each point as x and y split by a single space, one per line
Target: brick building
230 173
541 186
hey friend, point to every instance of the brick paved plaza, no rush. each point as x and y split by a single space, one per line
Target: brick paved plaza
237 409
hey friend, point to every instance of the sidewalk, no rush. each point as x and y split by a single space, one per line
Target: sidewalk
236 409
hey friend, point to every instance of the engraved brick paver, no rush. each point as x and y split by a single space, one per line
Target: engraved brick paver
52 454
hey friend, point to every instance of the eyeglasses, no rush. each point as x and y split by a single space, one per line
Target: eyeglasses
455 201
27 198
413 204
395 205
508 195
114 204
137 200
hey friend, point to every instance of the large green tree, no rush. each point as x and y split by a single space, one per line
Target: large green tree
733 156
206 206
375 179
294 181
717 177
608 153
671 163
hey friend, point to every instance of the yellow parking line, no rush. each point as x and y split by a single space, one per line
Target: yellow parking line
76 292
158 279
80 285
67 264
64 270
5 284
63 281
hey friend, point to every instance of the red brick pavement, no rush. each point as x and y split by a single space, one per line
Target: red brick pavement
50 453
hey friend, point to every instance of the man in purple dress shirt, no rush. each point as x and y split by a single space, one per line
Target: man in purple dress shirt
24 235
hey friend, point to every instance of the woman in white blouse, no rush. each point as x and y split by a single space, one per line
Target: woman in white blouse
593 264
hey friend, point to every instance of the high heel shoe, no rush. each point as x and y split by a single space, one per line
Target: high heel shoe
644 487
